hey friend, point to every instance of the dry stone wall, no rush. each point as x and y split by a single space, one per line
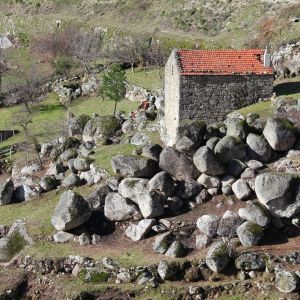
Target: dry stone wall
210 98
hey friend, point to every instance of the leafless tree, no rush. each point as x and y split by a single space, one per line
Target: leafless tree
72 42
23 118
129 49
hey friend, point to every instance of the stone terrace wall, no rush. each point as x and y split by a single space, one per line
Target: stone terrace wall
210 98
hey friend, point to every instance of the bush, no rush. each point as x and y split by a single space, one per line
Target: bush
63 65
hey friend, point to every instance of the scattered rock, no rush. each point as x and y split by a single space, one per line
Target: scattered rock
117 208
96 200
208 224
258 148
63 237
279 193
163 242
138 231
167 270
217 257
209 181
202 241
176 249
6 191
164 183
256 213
241 189
229 224
287 282
250 261
70 212
177 164
134 166
207 162
250 233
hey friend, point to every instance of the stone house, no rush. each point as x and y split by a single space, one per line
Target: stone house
208 84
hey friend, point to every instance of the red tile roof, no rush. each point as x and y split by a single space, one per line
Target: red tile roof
222 62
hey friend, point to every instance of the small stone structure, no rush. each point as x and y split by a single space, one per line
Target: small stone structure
207 85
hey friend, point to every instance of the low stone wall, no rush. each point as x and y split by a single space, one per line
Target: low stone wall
211 98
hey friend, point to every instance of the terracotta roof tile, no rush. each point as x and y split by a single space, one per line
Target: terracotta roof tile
222 62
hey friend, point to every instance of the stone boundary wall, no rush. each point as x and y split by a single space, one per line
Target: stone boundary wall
211 98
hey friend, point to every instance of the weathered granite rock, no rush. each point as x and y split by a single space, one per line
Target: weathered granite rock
188 188
63 237
71 181
49 183
70 212
217 257
6 191
176 249
177 164
163 242
117 208
286 281
250 261
138 231
132 188
229 224
241 189
134 166
209 181
256 213
208 224
279 192
258 148
250 233
280 134
167 270
164 183
237 128
207 162
152 151
151 204
100 128
96 199
230 147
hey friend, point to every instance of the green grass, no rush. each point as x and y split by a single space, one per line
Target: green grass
104 154
50 117
150 79
264 109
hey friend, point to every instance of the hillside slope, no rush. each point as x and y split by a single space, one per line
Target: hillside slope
218 23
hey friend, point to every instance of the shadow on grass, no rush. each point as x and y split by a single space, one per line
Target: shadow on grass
48 107
287 88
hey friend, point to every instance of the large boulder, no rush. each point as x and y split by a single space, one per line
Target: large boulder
70 212
194 130
208 224
287 281
24 192
187 189
138 231
82 164
99 128
132 188
163 242
167 270
164 183
118 208
134 166
230 147
96 199
151 204
152 151
250 233
209 181
250 261
49 183
280 134
256 213
229 224
207 162
177 164
6 191
237 128
217 257
241 189
279 192
258 148
76 125
70 181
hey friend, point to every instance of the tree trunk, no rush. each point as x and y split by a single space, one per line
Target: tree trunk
115 108
87 68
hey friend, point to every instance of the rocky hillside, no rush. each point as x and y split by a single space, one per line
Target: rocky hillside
222 23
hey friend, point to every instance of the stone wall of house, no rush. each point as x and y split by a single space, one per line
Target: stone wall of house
172 97
211 98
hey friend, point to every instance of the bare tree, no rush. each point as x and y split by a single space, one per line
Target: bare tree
71 42
23 118
128 49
